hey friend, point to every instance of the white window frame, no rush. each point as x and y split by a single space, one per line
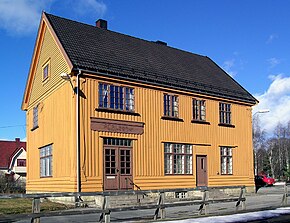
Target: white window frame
198 109
225 110
177 159
116 97
45 155
170 103
35 117
226 154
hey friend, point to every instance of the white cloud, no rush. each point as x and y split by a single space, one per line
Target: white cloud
273 62
89 6
277 99
271 38
21 17
228 66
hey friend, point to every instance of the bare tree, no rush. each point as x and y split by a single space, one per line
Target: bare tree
259 139
278 149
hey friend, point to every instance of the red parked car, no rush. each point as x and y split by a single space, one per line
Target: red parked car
268 180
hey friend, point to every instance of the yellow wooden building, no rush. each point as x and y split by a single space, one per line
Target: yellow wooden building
107 111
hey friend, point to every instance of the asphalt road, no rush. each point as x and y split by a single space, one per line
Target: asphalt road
267 198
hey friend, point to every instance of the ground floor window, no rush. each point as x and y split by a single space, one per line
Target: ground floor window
226 160
46 161
177 158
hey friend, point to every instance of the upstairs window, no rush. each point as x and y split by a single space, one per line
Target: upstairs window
35 117
225 113
46 70
116 97
198 109
170 105
226 160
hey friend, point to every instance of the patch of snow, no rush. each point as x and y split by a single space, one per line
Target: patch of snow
279 183
245 217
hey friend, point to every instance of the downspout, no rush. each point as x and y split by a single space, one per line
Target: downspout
78 130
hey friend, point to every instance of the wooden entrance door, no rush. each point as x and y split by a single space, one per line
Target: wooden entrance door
201 171
118 166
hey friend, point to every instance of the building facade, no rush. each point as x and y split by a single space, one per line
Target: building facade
107 111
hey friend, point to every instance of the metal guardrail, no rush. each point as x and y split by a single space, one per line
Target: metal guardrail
105 210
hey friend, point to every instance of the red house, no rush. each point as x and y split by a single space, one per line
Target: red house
13 156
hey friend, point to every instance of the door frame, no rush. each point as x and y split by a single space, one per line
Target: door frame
118 174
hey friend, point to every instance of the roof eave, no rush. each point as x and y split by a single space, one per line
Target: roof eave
163 84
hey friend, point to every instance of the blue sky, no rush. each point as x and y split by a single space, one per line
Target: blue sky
249 39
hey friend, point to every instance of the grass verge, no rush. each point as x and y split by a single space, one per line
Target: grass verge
24 206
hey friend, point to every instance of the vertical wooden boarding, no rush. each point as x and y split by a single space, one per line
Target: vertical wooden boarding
35 209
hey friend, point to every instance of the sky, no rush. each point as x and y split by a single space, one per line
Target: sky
249 39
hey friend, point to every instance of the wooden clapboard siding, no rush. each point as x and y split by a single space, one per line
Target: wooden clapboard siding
49 51
148 156
62 184
57 127
56 118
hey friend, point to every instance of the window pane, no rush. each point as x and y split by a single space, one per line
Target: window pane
188 164
45 71
230 165
175 106
131 100
121 98
165 104
112 96
101 99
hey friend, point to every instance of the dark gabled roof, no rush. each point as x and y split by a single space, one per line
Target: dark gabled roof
95 49
7 149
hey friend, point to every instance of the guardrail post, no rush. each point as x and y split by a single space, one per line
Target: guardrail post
241 199
162 209
285 195
107 213
35 209
158 208
204 204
